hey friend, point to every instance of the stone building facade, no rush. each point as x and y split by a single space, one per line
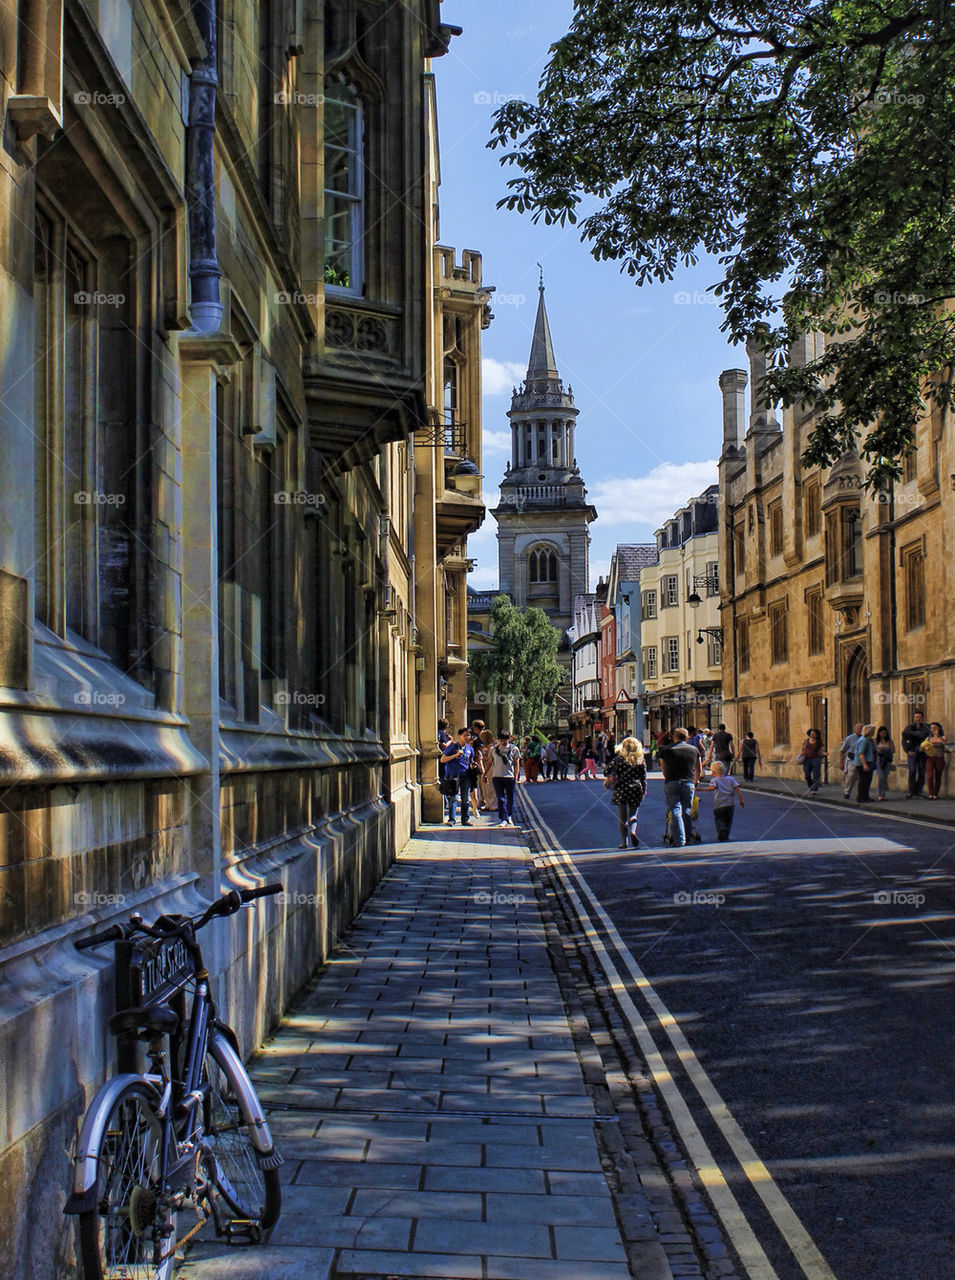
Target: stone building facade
623 597
543 516
680 637
218 356
836 603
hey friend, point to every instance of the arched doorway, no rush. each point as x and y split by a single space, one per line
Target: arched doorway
856 689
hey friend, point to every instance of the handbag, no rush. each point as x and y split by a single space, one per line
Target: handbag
448 786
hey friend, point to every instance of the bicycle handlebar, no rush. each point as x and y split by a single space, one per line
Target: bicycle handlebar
227 905
112 934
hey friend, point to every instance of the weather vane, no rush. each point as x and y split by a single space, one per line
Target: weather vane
541 269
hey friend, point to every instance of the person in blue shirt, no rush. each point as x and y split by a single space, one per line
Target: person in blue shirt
457 758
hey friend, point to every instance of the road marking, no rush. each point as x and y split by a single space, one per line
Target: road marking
752 1255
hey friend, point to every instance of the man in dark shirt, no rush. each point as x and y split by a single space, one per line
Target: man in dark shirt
681 772
457 758
721 747
913 735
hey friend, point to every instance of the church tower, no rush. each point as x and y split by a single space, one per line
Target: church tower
542 537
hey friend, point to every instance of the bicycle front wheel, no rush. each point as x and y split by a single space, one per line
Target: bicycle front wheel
130 1234
252 1193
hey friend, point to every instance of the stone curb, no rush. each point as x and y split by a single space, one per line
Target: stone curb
834 802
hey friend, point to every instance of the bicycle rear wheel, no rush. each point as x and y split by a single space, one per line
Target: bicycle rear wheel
251 1192
131 1233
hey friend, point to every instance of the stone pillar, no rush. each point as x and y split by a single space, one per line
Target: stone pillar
733 389
205 360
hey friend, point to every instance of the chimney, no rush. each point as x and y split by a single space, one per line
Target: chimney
762 417
733 387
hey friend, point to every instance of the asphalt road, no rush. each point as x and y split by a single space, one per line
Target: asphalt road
810 964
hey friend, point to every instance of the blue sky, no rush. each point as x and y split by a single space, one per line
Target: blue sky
643 362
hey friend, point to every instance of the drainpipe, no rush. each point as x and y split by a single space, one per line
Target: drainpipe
206 307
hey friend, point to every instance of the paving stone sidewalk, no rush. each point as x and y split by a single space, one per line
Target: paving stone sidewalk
438 1121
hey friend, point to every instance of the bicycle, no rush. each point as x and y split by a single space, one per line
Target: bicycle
189 1130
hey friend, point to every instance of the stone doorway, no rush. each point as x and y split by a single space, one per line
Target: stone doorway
856 689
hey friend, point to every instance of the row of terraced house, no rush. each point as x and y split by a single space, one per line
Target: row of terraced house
240 443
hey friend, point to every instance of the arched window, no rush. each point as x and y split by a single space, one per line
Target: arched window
344 186
542 565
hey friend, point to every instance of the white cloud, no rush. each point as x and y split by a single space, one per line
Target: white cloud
496 441
500 376
483 578
652 498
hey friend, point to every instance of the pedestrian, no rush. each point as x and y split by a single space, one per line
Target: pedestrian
443 739
531 759
681 772
505 766
611 750
865 758
477 764
811 755
847 761
457 764
728 791
600 747
488 794
589 767
563 759
628 772
913 735
749 755
721 747
884 755
933 749
549 757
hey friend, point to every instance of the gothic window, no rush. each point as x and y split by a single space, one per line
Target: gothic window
813 508
86 454
843 545
913 572
776 528
344 186
543 566
780 714
742 644
816 611
779 631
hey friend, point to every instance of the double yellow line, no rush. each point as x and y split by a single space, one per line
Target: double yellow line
597 926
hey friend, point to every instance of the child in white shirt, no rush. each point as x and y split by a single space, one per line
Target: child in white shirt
727 793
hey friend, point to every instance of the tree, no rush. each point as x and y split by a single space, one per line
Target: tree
522 667
808 147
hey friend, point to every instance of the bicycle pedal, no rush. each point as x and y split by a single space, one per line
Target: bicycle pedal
243 1229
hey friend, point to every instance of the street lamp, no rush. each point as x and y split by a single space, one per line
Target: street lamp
715 632
708 583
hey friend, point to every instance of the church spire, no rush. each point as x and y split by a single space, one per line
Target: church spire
542 362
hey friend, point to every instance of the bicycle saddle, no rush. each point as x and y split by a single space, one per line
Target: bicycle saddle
154 1019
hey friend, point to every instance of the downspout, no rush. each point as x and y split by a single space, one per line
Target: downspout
206 307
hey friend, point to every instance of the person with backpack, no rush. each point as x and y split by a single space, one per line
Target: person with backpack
627 774
505 766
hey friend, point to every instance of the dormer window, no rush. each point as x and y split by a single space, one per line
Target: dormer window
344 187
